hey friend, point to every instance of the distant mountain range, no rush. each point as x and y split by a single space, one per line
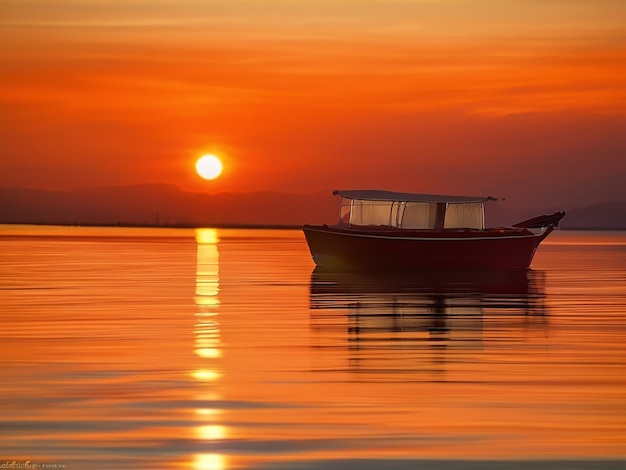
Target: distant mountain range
158 204
606 216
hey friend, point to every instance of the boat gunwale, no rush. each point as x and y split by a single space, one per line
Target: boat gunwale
347 231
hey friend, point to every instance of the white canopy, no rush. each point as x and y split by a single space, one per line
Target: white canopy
379 195
410 211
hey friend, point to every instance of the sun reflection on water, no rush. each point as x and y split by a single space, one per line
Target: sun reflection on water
208 345
206 375
211 432
208 411
209 462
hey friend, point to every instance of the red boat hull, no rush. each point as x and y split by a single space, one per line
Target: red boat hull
345 248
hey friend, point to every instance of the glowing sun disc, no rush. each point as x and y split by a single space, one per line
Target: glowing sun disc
209 167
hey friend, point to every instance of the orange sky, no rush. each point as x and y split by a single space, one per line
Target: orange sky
524 99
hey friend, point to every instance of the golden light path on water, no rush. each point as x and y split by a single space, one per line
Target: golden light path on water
207 347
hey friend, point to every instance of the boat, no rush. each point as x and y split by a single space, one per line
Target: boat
386 230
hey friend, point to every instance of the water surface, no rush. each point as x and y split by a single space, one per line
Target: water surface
219 349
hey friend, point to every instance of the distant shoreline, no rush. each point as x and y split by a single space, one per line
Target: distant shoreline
189 226
248 226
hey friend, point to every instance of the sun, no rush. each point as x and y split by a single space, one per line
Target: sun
209 167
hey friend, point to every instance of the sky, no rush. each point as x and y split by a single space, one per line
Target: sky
523 99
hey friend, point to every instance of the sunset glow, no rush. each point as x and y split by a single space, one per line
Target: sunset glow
440 96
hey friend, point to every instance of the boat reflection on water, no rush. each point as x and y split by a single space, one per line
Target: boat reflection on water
405 323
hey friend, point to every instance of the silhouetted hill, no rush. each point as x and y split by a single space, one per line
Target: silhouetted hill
607 216
159 204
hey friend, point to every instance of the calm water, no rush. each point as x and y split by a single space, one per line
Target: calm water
221 349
